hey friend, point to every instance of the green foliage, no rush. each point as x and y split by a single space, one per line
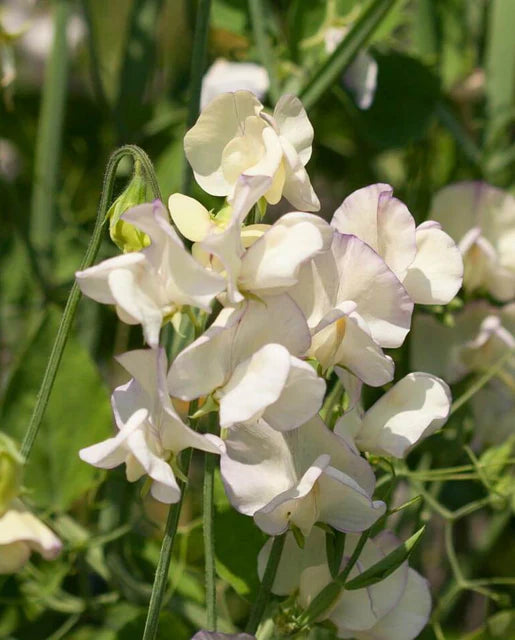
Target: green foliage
78 415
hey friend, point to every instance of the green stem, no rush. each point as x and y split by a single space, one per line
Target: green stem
209 540
198 60
49 136
266 54
163 565
480 382
266 584
344 54
75 293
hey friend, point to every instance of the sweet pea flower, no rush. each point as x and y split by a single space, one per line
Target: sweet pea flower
481 219
354 305
20 534
480 337
361 75
150 285
150 433
397 608
248 360
413 409
223 76
260 259
233 136
298 478
424 259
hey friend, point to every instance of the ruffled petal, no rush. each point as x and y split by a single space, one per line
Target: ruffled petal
383 222
218 124
297 187
414 408
294 125
436 274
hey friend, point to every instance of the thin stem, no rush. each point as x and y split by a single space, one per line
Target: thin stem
480 382
266 584
75 293
209 537
49 136
198 60
451 553
257 19
163 566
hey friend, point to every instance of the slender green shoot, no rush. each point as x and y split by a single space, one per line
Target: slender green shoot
266 54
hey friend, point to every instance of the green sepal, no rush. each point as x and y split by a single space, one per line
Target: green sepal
209 406
298 535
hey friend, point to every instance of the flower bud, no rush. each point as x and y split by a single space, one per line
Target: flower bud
125 235
11 463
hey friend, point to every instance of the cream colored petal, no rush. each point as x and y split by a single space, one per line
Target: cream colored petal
218 124
294 125
190 217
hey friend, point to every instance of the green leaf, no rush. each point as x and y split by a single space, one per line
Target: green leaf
238 542
334 546
344 54
500 62
387 565
78 415
405 101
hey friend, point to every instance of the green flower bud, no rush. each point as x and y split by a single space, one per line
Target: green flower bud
125 235
11 464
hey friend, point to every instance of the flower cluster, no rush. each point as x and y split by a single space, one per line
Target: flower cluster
300 299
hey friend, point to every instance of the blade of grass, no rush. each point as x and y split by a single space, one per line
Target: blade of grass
258 21
198 61
344 54
49 137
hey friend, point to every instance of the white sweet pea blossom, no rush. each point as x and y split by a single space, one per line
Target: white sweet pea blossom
481 219
480 337
354 305
397 608
245 359
223 76
20 534
260 259
413 409
298 477
150 285
234 136
150 433
425 259
361 75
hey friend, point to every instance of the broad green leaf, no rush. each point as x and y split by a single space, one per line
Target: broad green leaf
405 101
237 544
78 415
387 565
502 625
344 54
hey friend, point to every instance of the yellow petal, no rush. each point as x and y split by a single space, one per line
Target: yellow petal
189 216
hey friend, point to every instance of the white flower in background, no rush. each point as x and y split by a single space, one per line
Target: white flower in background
150 433
481 219
480 337
413 409
259 259
361 75
150 285
20 534
354 305
234 136
298 477
223 76
425 259
397 608
248 360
